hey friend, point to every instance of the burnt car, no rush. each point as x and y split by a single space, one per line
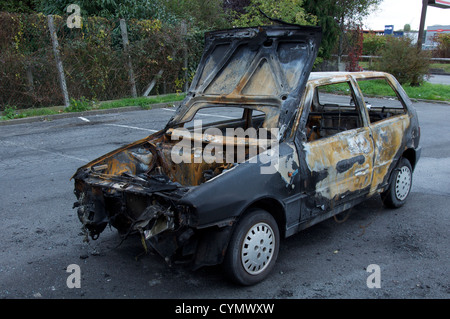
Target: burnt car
277 151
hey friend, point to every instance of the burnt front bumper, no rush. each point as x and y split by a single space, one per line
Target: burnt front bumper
164 225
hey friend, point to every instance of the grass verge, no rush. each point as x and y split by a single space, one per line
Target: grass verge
427 91
144 102
11 112
81 105
443 66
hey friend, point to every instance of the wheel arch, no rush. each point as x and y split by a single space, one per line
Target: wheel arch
410 155
273 207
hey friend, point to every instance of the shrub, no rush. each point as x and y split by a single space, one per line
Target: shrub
404 60
443 49
373 43
356 49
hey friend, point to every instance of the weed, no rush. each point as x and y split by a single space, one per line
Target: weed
10 113
80 105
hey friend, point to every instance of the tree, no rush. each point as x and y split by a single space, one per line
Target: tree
356 48
324 11
336 16
22 6
373 43
110 9
235 6
205 14
350 14
443 41
407 27
291 11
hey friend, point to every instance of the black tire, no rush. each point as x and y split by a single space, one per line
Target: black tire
400 186
253 248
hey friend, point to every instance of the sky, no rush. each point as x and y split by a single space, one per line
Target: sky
401 12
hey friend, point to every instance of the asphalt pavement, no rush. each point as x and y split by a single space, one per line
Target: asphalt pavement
439 79
40 235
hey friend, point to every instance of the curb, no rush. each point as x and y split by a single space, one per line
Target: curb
429 101
127 109
52 117
438 72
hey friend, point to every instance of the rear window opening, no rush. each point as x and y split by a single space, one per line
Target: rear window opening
232 121
227 117
381 99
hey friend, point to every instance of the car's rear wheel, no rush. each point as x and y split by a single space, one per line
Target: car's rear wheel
253 248
399 188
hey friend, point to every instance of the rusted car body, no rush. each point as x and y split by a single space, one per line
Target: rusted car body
329 157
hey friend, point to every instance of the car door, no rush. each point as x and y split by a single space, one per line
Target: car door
337 149
389 120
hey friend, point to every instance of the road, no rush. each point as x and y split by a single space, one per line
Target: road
40 232
439 79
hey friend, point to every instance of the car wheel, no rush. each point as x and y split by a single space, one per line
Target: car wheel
253 248
397 193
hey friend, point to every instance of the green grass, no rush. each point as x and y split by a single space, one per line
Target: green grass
144 102
81 105
12 113
443 66
365 65
427 91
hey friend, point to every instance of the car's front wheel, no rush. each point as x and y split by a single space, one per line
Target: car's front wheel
400 186
253 248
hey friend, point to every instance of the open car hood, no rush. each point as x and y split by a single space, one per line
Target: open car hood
267 65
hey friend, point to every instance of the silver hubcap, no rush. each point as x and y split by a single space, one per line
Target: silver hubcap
403 183
257 248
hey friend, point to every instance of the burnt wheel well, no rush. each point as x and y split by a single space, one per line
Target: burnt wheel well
273 207
410 155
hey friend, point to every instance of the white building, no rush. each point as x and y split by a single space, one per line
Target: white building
432 31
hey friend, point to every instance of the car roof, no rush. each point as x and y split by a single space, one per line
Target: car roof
314 76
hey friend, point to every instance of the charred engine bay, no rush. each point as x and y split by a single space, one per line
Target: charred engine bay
137 189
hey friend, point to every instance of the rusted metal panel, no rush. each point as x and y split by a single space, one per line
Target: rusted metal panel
389 140
332 156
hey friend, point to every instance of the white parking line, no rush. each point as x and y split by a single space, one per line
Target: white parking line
124 126
210 115
133 127
153 131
